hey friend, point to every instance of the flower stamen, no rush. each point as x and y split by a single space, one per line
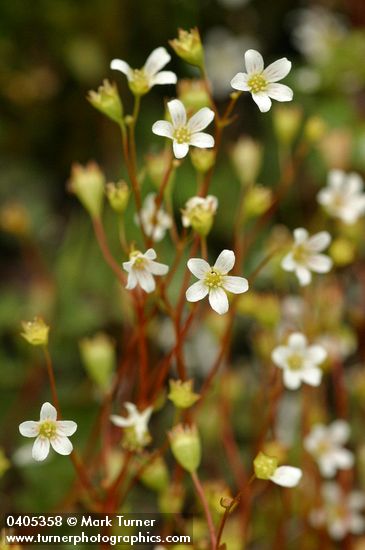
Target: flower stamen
257 83
213 278
182 134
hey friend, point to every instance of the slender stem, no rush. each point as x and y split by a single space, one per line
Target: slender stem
208 516
52 380
108 257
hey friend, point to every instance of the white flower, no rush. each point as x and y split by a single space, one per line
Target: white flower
287 476
325 445
155 223
299 361
135 419
185 132
213 280
49 431
196 206
304 256
341 512
141 268
262 83
343 197
143 79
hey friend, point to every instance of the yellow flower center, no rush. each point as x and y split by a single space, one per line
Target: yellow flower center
138 259
213 278
295 362
139 83
300 254
48 429
257 83
182 134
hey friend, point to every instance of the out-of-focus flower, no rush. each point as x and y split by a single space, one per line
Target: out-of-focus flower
336 148
263 83
304 256
287 120
107 101
117 195
35 332
202 159
266 467
141 268
154 222
342 251
155 475
300 362
246 156
341 512
182 394
343 197
49 431
214 281
87 183
188 46
156 164
307 80
340 345
185 132
98 357
315 129
223 51
257 201
14 219
317 32
199 213
137 420
193 93
324 443
186 446
142 80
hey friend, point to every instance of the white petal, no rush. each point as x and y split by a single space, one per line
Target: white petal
354 183
254 62
337 529
201 119
344 459
327 466
336 178
29 428
180 149
198 267
62 445
145 280
196 292
297 341
280 92
225 261
280 355
287 476
312 376
236 285
288 263
356 500
177 113
239 82
340 431
300 235
150 254
122 66
218 300
316 354
202 140
40 448
48 412
277 70
156 268
156 60
163 128
357 524
319 241
120 421
164 77
263 101
292 379
66 427
127 266
304 275
132 281
319 263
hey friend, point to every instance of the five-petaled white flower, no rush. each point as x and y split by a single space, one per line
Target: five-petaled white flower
263 83
324 443
142 80
141 268
154 222
299 361
185 132
135 419
49 432
341 512
197 207
287 476
343 197
304 256
215 281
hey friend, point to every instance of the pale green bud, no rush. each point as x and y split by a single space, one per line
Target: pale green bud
193 93
182 394
171 500
202 159
155 475
188 46
186 446
87 183
246 156
342 251
118 195
315 129
287 120
99 360
107 101
257 201
35 332
265 466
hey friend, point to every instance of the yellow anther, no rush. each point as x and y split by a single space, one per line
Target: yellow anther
257 83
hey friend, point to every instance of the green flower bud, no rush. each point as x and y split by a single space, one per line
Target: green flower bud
35 332
171 500
246 156
87 183
202 159
181 394
98 357
118 195
342 251
107 101
315 129
155 475
156 165
193 93
265 466
257 201
287 119
188 46
186 447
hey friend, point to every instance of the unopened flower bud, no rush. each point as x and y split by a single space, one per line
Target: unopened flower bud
287 119
87 183
199 213
155 475
202 159
342 251
14 219
185 446
171 500
156 165
247 157
182 394
35 332
117 195
98 357
107 101
193 93
336 148
188 46
315 129
265 466
257 201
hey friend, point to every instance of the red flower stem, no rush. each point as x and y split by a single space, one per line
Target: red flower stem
208 516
